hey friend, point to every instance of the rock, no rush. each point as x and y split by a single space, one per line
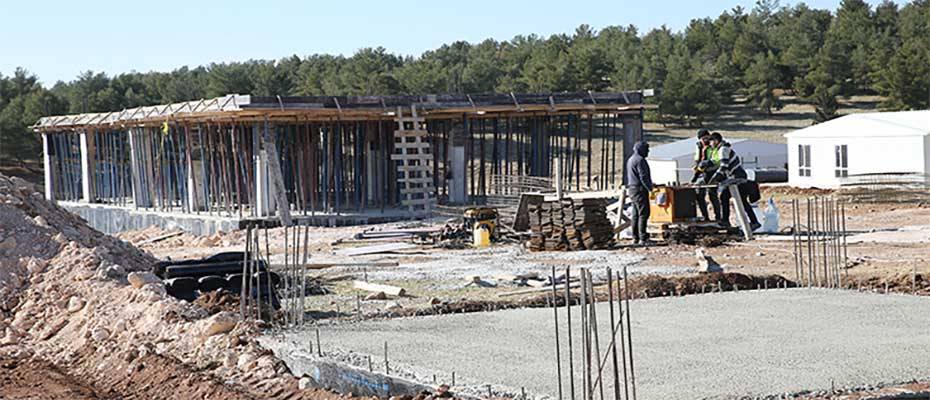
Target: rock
706 263
157 288
8 243
304 383
115 271
140 279
40 221
394 306
246 362
222 322
376 296
36 266
75 304
99 334
435 301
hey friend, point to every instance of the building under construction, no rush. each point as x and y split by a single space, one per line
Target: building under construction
206 165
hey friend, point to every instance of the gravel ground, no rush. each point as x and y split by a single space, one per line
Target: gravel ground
459 265
722 345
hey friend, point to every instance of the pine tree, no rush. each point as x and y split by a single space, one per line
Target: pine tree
762 79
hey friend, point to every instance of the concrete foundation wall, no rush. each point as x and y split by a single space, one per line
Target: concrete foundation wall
112 219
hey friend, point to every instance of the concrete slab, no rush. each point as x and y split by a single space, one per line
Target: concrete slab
722 345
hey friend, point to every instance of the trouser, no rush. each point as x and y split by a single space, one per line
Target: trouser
702 203
724 192
640 217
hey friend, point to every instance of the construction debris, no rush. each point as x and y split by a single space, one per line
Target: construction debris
570 224
375 287
375 249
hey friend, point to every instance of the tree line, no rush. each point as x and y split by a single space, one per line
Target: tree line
756 55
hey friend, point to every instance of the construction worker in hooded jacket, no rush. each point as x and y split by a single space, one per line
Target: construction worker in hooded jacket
639 185
730 172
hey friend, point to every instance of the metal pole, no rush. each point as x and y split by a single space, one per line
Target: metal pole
845 254
794 238
613 332
620 297
629 334
245 258
585 344
555 319
594 331
810 248
568 312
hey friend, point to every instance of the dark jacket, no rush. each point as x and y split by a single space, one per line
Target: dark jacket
638 177
731 165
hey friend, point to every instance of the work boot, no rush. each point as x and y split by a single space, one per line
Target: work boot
646 243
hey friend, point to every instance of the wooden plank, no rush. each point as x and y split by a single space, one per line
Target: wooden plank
375 249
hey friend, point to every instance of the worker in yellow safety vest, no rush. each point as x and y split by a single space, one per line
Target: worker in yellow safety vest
703 169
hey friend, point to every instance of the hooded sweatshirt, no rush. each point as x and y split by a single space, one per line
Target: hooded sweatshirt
638 177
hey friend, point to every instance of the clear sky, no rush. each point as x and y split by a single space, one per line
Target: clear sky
58 39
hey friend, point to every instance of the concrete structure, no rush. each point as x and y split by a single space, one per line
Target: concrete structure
671 162
745 344
829 154
273 157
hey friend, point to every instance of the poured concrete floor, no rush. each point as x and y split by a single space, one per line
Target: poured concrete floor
722 345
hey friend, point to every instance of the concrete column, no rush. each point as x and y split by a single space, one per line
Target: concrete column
632 133
264 202
47 168
457 177
87 167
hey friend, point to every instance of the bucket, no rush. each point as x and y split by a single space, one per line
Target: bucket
482 237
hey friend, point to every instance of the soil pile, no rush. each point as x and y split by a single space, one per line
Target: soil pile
66 301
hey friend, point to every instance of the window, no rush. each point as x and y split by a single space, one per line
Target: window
842 162
804 160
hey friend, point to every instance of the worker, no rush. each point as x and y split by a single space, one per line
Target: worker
703 169
639 185
730 172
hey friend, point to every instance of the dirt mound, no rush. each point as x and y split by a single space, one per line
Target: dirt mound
27 378
65 299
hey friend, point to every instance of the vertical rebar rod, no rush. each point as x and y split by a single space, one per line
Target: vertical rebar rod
568 313
629 335
620 297
810 251
268 278
613 332
555 319
823 240
245 263
794 238
585 345
595 333
845 246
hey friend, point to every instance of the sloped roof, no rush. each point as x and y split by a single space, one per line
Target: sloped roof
685 147
878 124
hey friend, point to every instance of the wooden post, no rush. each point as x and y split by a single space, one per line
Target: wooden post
47 168
87 167
270 156
741 215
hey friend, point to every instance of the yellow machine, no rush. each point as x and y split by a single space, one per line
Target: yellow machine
672 204
482 223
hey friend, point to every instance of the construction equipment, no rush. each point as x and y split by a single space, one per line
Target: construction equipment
673 215
481 218
672 204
